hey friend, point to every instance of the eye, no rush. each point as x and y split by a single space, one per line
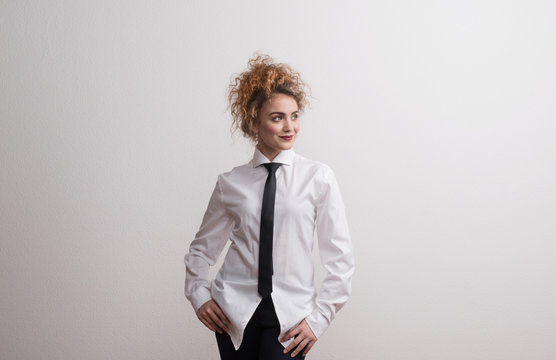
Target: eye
295 116
277 118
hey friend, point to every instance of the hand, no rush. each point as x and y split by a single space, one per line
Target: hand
213 317
304 338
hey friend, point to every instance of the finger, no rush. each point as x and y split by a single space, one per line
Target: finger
221 315
300 347
211 322
216 315
218 311
293 344
291 333
206 324
219 324
208 318
308 347
216 320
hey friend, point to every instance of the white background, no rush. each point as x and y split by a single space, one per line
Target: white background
438 118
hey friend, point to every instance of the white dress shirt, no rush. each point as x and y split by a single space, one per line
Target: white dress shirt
307 199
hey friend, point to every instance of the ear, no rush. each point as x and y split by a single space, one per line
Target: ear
255 126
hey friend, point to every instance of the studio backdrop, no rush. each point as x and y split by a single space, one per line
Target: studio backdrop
437 117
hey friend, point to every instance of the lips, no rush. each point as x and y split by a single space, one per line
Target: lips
287 138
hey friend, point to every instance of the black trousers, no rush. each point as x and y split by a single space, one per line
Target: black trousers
260 339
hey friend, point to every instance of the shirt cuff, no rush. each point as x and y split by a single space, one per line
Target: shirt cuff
317 322
201 296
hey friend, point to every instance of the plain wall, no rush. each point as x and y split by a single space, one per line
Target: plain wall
438 118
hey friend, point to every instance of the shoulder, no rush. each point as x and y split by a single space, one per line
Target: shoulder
238 173
315 168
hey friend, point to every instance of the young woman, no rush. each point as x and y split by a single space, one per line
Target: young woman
263 303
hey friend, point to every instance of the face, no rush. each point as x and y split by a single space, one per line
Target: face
278 125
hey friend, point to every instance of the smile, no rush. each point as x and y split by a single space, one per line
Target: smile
287 138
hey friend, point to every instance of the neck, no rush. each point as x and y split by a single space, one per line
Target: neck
270 154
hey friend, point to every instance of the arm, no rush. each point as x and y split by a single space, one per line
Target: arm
336 254
337 258
205 249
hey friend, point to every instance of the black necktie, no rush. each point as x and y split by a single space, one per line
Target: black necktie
267 229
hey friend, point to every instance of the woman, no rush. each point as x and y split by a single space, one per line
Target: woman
263 303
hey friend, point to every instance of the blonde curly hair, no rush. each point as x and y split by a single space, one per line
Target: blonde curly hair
249 90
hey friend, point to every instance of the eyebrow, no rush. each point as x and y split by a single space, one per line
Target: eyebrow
281 113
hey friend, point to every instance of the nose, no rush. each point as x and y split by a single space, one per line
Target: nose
288 126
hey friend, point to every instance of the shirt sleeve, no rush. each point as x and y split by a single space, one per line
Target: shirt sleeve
205 249
336 253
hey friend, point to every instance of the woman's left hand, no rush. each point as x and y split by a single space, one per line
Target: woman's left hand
303 339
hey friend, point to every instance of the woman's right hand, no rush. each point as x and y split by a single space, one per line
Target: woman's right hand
213 317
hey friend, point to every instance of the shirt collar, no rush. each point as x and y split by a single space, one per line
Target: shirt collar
285 157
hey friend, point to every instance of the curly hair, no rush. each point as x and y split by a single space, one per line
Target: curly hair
249 90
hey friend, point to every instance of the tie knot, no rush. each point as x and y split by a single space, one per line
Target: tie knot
272 167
